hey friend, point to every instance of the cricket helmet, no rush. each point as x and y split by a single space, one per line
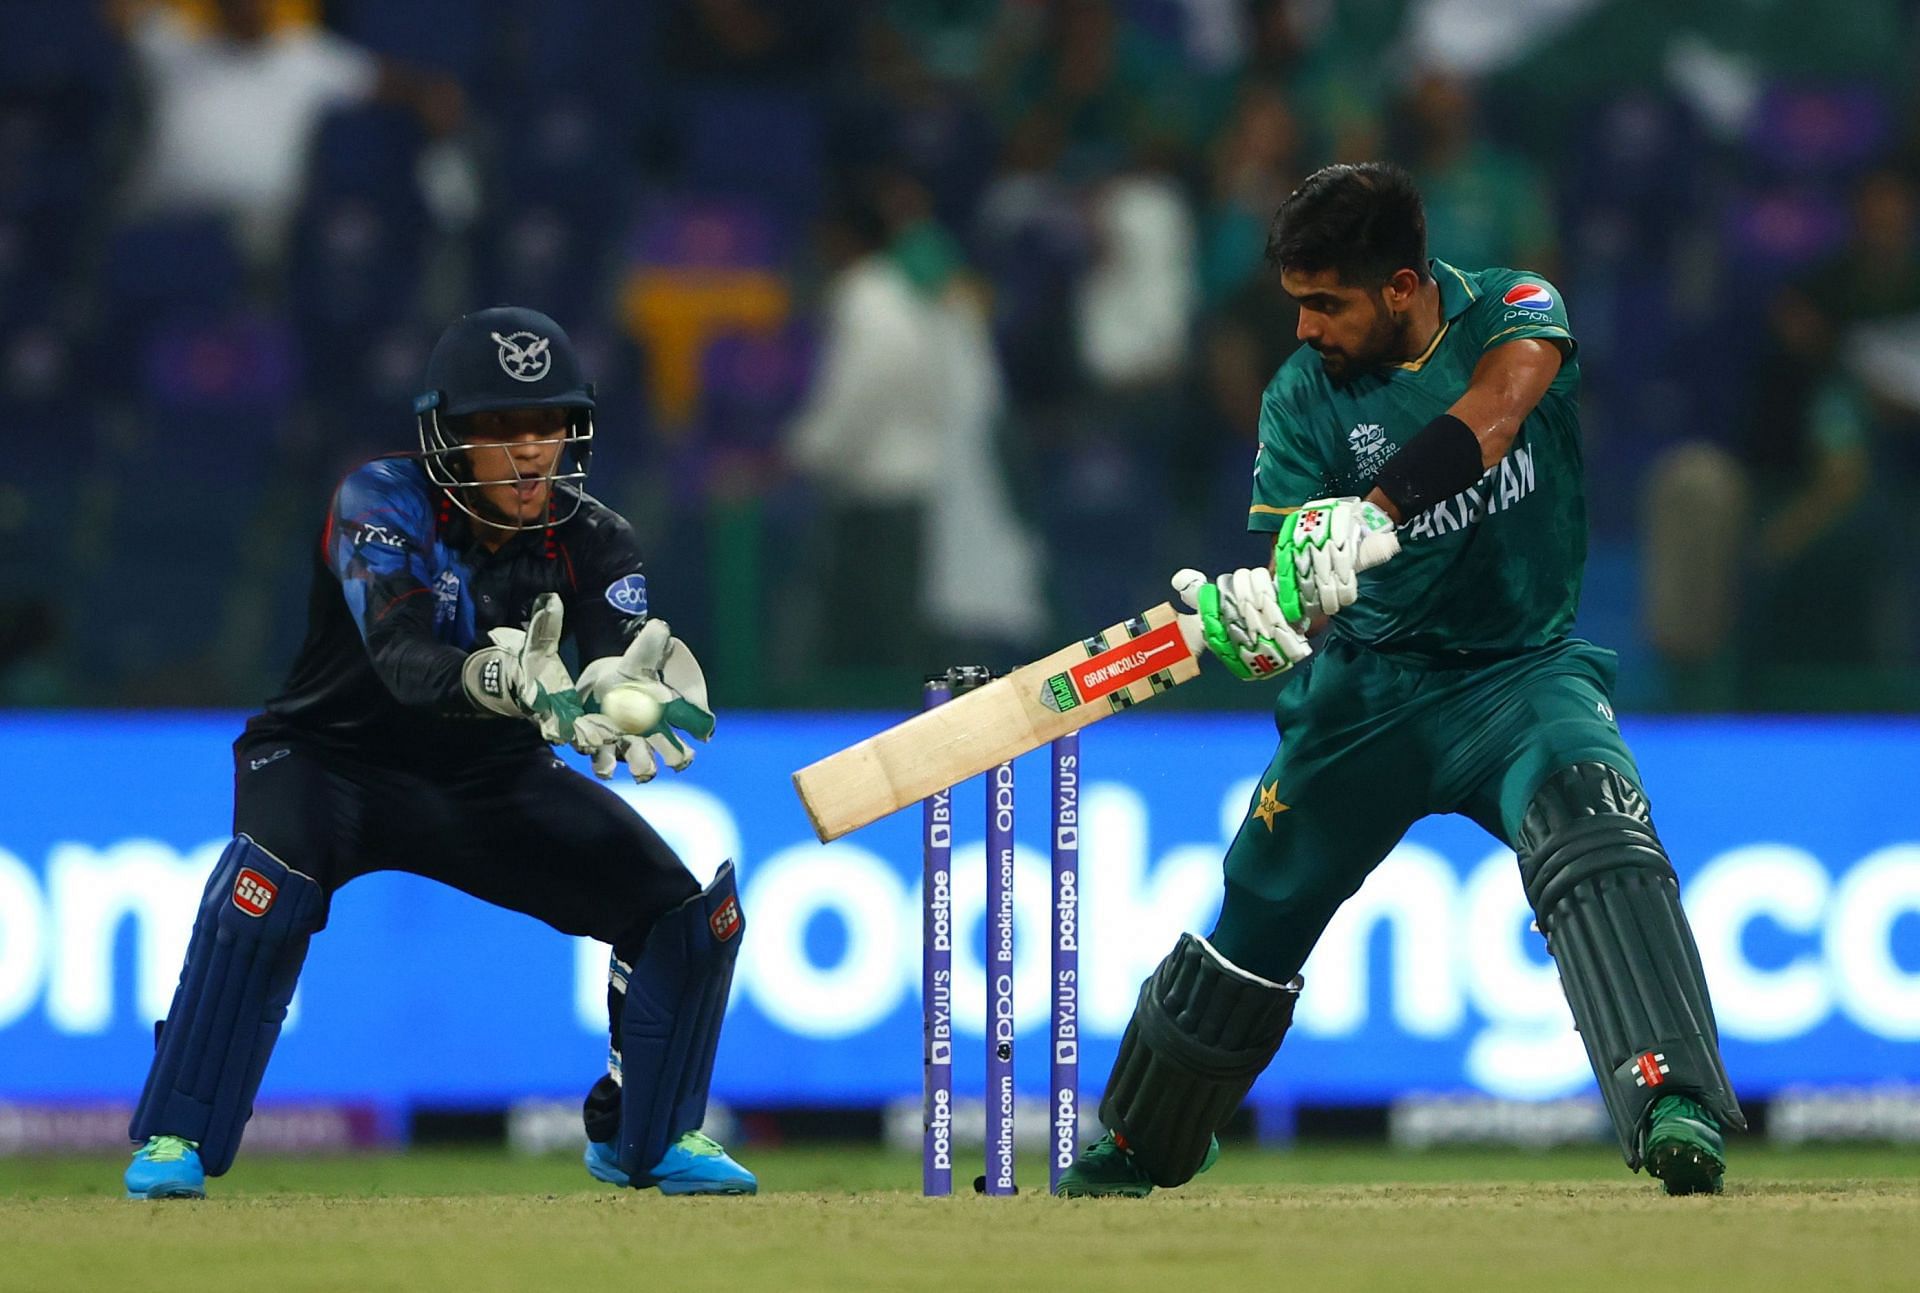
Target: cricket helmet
507 357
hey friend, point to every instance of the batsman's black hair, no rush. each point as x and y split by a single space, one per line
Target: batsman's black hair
1365 222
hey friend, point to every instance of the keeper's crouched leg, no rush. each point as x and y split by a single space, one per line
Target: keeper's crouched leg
249 943
1608 902
644 1118
1203 1031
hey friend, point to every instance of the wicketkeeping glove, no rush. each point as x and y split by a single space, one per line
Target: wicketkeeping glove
521 675
662 666
1241 623
1319 551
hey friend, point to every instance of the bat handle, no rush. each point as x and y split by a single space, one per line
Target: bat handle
1191 634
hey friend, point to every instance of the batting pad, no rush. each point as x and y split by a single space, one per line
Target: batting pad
1203 1030
1608 902
249 943
670 1023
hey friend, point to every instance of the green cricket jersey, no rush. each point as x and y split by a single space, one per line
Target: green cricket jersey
1495 568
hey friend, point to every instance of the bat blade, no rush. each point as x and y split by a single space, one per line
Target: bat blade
1059 693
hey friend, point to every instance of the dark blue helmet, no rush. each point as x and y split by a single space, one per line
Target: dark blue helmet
507 357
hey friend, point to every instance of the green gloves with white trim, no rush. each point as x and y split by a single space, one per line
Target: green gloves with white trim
1255 621
1320 550
1241 623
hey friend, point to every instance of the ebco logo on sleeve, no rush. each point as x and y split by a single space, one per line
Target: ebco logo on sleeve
628 595
1528 296
253 893
524 356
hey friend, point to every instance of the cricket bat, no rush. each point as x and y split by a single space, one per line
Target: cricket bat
1133 661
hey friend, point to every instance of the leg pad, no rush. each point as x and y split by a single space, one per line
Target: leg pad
1608 902
676 1000
1203 1030
249 942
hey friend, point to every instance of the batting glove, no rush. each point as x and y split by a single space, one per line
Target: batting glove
1241 623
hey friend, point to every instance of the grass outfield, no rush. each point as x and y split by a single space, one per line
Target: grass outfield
839 1218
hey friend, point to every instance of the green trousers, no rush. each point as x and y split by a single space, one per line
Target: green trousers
1369 746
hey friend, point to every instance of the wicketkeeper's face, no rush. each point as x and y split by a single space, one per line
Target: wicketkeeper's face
511 457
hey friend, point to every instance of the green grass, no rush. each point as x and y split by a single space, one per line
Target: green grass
846 1218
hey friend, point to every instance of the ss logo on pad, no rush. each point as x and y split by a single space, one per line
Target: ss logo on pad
253 893
725 923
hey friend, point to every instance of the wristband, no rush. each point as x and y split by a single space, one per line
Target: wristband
1442 460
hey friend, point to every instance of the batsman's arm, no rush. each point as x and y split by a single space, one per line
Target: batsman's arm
1451 452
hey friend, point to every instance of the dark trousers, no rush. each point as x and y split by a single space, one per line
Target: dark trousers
521 831
1372 746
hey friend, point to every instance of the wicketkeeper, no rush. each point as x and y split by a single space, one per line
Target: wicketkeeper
1438 406
414 734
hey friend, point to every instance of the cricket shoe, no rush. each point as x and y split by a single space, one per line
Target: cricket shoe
166 1167
1105 1169
1683 1147
694 1164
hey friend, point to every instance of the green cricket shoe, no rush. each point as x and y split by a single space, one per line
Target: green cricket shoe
1683 1147
1104 1170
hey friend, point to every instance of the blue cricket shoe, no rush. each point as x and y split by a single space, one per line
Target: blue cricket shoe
694 1164
166 1167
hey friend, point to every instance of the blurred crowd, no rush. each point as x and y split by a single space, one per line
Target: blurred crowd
929 331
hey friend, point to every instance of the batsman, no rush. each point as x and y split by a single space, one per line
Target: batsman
1439 407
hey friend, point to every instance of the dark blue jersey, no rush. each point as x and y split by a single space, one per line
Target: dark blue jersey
403 591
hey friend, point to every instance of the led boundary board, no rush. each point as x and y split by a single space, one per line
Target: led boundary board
1805 900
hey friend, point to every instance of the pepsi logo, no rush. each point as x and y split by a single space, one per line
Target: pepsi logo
1528 296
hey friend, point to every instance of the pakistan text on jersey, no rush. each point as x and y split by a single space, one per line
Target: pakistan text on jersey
1505 483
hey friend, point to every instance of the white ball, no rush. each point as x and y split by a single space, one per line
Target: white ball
632 709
